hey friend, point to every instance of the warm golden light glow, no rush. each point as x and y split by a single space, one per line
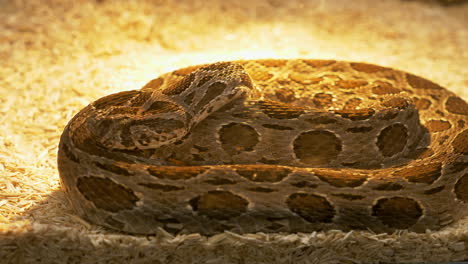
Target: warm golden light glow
57 56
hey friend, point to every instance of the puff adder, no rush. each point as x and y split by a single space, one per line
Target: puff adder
271 146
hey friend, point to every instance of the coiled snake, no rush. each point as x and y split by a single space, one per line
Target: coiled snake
271 146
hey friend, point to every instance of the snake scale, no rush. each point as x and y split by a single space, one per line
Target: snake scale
270 146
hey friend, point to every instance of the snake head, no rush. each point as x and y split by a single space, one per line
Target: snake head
214 86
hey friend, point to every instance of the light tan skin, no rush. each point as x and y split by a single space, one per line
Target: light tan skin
271 146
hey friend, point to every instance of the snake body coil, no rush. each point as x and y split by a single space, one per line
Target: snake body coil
271 146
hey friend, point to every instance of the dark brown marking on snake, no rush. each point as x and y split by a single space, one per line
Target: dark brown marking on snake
304 184
285 95
347 196
219 204
236 138
317 147
461 188
106 194
421 103
396 102
437 125
392 139
350 84
367 68
311 207
322 100
461 123
383 88
277 127
388 186
456 105
352 103
421 83
397 212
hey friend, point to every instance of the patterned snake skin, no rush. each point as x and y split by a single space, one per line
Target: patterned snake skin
271 146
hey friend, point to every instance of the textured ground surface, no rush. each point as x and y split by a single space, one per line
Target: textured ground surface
57 56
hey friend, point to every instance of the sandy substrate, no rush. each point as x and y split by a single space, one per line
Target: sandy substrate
56 56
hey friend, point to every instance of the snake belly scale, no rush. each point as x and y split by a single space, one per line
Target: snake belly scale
270 146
